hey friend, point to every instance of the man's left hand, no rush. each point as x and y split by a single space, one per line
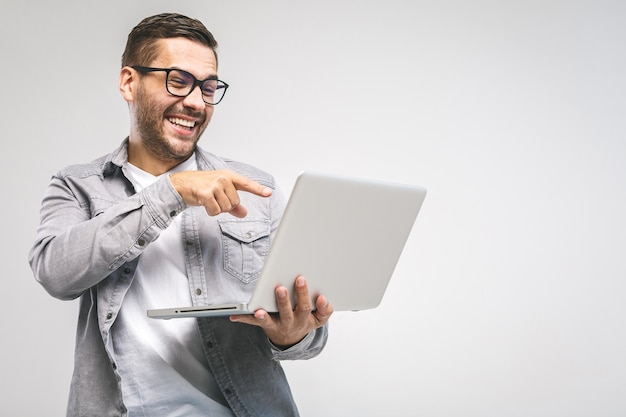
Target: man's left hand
292 323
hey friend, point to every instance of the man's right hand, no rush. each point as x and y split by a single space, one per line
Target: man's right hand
217 190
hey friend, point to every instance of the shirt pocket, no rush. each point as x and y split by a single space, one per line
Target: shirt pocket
245 244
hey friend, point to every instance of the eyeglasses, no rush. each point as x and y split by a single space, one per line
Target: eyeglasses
180 83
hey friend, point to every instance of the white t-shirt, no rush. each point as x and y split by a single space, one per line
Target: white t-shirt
161 362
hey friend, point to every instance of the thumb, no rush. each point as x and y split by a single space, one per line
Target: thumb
240 211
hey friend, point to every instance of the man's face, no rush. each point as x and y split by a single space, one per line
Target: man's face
169 127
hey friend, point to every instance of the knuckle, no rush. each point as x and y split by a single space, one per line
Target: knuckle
303 308
222 181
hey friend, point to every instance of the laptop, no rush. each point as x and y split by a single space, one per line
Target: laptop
344 234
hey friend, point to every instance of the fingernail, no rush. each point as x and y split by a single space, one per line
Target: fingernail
282 293
300 282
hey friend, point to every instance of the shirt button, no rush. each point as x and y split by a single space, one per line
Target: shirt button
249 235
228 391
141 242
209 344
198 291
189 242
173 213
109 316
127 270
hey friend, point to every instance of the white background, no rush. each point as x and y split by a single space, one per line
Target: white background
509 297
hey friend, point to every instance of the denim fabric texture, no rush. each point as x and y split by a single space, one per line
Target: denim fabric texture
94 227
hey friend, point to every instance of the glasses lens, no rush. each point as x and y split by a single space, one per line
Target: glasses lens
179 83
213 91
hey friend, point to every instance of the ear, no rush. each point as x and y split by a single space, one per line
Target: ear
127 81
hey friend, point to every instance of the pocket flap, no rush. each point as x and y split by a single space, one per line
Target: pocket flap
245 230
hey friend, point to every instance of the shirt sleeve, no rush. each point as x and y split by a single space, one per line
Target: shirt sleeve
307 348
85 234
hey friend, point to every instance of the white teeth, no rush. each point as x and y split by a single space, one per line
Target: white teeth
182 122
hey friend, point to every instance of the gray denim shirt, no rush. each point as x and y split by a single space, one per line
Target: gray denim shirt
94 227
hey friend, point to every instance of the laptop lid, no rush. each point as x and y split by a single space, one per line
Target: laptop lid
344 234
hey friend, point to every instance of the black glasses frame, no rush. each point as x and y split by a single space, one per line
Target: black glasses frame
196 82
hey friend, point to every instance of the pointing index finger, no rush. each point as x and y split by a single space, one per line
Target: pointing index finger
242 183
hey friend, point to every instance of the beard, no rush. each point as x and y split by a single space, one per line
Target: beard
150 120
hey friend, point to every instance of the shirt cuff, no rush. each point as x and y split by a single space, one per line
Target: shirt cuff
301 345
309 347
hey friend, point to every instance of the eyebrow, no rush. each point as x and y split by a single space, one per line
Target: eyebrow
211 77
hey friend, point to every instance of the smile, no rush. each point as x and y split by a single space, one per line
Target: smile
181 122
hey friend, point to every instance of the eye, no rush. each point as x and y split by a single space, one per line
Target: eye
208 87
179 79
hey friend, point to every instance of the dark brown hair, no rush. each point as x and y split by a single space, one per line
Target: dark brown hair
141 46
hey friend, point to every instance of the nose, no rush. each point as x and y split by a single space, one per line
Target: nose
194 99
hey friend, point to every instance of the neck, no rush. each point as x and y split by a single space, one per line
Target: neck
143 159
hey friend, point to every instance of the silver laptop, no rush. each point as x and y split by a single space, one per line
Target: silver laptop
343 234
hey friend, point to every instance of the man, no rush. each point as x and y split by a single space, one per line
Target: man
158 222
